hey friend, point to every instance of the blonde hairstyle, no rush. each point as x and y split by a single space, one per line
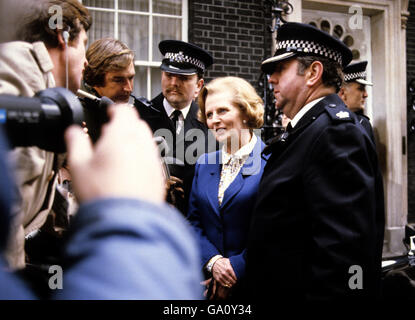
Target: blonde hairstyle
244 97
106 55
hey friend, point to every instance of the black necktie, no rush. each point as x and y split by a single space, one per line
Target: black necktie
175 118
289 127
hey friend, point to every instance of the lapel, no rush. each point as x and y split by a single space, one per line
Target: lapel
214 175
314 113
189 123
191 119
251 166
162 119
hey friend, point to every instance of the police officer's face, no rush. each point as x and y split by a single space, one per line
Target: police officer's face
289 87
118 85
354 95
180 90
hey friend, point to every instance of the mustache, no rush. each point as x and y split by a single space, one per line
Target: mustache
173 89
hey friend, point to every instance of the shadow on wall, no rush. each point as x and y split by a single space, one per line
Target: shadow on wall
11 13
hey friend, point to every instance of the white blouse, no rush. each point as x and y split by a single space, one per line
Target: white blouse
232 164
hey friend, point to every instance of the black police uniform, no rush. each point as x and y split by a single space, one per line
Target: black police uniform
184 59
319 214
365 122
319 210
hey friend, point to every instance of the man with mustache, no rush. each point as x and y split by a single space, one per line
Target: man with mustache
174 112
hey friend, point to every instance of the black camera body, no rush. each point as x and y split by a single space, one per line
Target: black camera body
95 111
41 120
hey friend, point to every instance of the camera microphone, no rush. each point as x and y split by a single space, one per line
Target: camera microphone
95 112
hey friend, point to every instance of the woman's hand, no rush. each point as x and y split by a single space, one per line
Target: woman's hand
223 273
214 290
221 292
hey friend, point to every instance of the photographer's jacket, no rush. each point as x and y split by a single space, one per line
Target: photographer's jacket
24 70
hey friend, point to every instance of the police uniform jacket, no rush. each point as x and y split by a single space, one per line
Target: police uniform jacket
319 212
365 122
180 143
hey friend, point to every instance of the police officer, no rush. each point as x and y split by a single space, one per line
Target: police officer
175 115
320 210
354 94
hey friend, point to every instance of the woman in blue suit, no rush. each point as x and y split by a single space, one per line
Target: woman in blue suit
226 182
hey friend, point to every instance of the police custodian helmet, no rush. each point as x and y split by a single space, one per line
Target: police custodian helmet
299 39
184 58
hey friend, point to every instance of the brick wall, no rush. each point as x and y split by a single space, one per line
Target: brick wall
235 32
410 51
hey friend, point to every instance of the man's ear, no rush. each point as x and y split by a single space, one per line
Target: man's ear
342 93
199 87
200 84
314 73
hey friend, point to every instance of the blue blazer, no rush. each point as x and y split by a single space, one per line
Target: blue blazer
224 229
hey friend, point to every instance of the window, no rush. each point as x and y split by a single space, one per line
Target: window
141 24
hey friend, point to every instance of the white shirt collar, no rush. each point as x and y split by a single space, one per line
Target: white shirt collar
242 153
304 110
169 109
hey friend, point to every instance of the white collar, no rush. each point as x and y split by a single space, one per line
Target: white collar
169 109
304 110
242 153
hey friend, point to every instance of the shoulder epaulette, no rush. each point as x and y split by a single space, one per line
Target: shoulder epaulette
42 56
338 113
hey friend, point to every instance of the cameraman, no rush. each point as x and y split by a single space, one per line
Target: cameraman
49 55
124 243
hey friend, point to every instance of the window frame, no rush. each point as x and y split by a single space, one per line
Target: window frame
148 64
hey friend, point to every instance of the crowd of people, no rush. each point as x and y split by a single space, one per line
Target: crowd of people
224 215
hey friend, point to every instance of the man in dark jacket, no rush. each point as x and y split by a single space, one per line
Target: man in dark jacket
174 112
354 94
317 230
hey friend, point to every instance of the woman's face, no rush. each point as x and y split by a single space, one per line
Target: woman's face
223 118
